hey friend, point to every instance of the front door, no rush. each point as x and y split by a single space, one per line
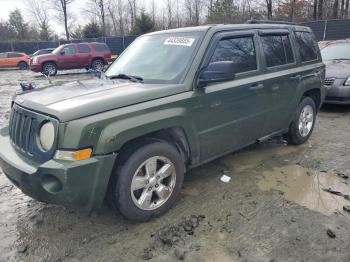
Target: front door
68 58
231 113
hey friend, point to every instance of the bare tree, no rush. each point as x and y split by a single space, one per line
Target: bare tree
170 13
40 16
269 9
335 9
132 6
320 9
98 9
315 10
61 6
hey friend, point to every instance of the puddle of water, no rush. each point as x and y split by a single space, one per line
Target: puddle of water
304 187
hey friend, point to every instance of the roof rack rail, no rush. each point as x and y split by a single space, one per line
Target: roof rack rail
255 21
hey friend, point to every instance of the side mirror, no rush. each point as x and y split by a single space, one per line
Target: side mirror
217 72
62 52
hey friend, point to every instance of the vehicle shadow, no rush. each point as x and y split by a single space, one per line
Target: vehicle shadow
328 108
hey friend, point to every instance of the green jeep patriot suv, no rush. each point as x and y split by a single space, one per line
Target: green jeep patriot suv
172 101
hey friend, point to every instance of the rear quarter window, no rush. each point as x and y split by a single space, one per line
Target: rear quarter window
307 46
100 47
3 55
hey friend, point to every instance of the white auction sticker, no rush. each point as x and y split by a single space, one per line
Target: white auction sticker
184 41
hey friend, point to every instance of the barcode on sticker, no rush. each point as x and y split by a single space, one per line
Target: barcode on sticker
184 41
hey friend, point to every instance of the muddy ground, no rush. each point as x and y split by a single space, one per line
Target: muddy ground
273 209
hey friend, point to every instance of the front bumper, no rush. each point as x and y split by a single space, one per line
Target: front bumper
79 184
35 68
337 93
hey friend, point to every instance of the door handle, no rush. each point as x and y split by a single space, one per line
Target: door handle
255 87
296 77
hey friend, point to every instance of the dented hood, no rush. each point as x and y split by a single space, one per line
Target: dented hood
83 98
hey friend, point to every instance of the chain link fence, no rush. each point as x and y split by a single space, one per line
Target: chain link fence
116 44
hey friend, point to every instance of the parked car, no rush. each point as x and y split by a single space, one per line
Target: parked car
337 59
72 56
323 44
43 52
14 59
172 101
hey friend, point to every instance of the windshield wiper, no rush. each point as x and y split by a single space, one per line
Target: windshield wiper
132 78
341 59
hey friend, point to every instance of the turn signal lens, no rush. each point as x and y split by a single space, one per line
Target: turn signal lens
73 155
82 154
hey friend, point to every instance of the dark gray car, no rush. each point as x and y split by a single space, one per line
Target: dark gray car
336 56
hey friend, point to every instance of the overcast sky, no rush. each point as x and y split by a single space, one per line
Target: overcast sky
8 5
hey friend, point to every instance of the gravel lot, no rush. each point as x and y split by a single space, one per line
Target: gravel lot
273 209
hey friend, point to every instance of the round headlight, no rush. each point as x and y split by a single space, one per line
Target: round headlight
47 136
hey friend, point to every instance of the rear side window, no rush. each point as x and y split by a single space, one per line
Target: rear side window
100 47
12 55
307 46
3 55
277 50
240 50
82 48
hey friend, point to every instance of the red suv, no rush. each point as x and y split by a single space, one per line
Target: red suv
72 56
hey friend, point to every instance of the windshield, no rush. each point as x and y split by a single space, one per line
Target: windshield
57 50
336 51
162 58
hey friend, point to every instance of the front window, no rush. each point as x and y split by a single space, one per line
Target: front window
337 51
240 50
163 58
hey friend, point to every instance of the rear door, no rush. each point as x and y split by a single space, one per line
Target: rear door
13 59
83 55
281 80
231 113
312 73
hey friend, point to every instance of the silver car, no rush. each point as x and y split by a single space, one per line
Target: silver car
336 56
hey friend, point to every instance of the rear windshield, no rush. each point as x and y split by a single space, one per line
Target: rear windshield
101 47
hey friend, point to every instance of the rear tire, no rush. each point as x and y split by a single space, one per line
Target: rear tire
49 68
98 65
303 123
22 65
146 181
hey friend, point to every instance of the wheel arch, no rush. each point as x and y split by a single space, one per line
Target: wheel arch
22 61
49 61
314 94
98 58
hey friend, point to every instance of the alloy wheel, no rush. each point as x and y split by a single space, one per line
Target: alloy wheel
153 183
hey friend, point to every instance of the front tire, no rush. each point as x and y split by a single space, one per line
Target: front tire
147 181
303 123
22 65
49 69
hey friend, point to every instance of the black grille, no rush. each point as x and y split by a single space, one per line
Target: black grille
22 130
329 81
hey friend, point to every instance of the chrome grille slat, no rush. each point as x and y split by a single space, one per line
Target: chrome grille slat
329 81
